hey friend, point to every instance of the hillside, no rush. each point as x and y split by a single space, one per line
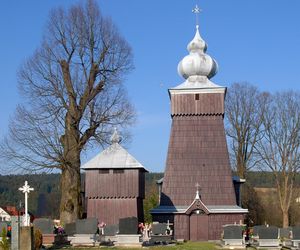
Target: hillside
44 201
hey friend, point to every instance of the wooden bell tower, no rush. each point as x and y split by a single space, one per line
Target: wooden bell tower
198 154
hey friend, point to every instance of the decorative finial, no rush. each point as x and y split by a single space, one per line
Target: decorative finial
197 192
115 138
196 11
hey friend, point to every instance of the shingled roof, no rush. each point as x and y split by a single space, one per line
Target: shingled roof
114 157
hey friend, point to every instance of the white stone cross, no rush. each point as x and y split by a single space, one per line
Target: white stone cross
26 190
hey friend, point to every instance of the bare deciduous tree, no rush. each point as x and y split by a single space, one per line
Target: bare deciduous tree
244 111
280 147
74 96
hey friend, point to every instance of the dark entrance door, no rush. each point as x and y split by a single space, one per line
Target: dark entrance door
198 226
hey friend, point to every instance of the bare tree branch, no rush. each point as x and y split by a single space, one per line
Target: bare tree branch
73 97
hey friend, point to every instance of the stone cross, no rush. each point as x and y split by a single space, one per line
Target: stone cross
26 190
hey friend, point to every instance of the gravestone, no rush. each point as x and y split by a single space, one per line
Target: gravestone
159 228
87 226
159 234
128 232
257 228
233 232
85 234
233 235
110 234
111 230
268 237
128 225
70 228
296 236
268 233
15 231
285 232
46 226
296 233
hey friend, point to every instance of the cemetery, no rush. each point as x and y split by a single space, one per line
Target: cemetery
199 198
207 207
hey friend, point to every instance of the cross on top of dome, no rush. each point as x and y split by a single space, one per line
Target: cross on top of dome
196 11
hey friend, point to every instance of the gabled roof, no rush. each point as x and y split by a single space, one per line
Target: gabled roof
210 209
114 157
198 204
4 213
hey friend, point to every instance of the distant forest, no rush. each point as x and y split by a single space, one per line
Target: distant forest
44 200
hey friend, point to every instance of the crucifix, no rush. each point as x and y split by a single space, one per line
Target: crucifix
197 192
196 11
26 190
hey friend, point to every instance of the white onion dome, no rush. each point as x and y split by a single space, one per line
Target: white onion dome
197 63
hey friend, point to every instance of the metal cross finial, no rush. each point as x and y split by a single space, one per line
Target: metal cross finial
26 190
197 192
196 11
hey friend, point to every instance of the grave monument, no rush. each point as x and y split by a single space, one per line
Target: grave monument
197 193
26 231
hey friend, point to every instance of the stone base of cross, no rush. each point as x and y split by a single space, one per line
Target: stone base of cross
25 220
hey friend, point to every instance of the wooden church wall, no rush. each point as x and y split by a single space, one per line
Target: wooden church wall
216 222
181 226
199 104
114 183
111 210
197 154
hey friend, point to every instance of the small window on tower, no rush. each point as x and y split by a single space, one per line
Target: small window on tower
118 171
197 97
103 171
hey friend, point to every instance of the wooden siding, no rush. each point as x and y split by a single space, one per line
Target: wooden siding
181 227
111 210
197 153
213 224
186 104
216 222
129 184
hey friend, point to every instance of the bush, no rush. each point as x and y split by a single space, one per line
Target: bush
38 239
4 244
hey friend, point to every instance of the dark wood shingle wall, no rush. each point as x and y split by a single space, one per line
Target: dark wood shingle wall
128 184
198 153
186 104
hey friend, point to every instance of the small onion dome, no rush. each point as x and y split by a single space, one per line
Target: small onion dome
115 138
197 63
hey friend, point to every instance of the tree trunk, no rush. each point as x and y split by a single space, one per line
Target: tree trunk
285 218
70 205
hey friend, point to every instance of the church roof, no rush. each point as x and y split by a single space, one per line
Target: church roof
211 209
197 68
114 157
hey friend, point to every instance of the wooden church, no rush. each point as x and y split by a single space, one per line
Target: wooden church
114 185
197 193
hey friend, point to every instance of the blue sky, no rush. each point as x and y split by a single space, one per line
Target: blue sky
257 41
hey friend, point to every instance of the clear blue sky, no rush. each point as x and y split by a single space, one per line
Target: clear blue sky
256 41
